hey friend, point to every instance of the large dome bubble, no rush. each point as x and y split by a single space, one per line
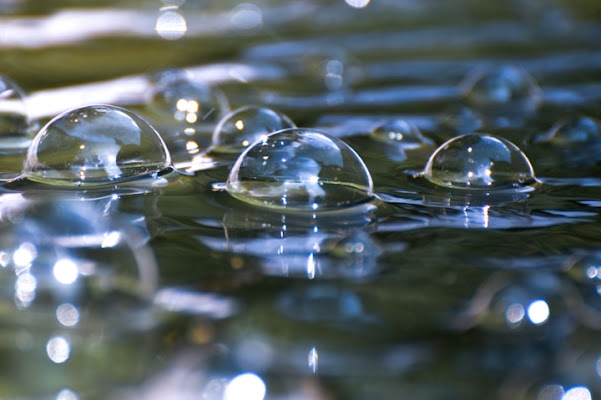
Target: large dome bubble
300 169
95 145
479 161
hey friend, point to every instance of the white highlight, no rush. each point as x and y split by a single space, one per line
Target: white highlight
247 386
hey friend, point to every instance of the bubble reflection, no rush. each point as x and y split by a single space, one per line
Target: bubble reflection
246 125
58 349
171 25
538 312
95 145
67 314
246 16
577 393
479 161
551 392
300 169
247 386
358 3
67 394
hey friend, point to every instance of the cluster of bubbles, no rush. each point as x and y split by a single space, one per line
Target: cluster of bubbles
280 166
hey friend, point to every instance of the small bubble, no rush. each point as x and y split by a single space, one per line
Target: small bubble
479 161
300 169
501 85
573 131
13 112
110 145
245 125
177 98
401 132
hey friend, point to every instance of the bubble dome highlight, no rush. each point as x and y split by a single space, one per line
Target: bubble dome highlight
245 125
300 169
479 161
95 145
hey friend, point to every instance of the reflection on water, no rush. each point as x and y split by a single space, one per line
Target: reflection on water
357 263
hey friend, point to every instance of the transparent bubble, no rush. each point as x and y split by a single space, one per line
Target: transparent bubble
13 112
245 125
300 169
95 145
572 131
501 85
178 98
401 132
479 161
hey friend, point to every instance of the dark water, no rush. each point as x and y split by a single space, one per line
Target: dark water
476 280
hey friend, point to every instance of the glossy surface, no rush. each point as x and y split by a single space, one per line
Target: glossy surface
95 145
300 169
245 125
479 161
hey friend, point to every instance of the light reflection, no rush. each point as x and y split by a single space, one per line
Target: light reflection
551 392
246 16
65 271
247 386
538 312
358 3
311 267
577 393
111 239
515 313
313 360
4 258
171 25
25 289
58 349
67 314
67 394
24 255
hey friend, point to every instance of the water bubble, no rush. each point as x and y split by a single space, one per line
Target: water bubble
178 98
573 131
501 85
479 161
245 125
401 132
300 169
95 145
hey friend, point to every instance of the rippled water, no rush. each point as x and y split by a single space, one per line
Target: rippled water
430 230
